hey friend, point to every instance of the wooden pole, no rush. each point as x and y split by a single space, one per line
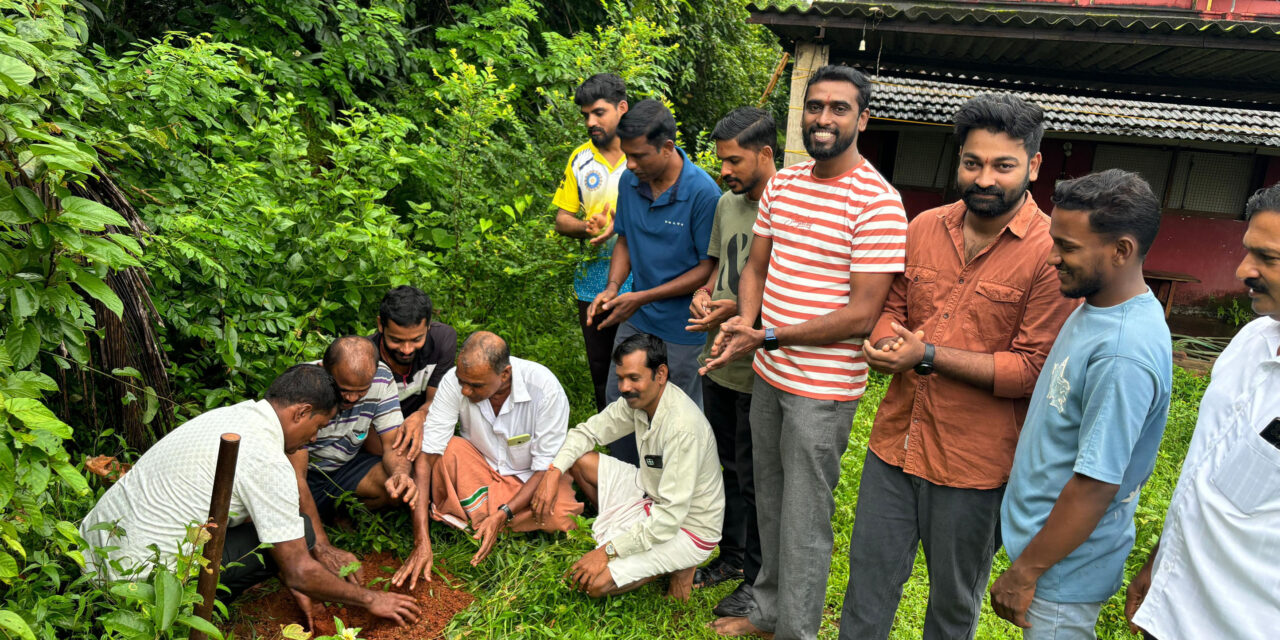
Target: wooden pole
220 502
777 72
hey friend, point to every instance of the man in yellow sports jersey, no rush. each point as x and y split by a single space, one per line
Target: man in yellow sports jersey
587 199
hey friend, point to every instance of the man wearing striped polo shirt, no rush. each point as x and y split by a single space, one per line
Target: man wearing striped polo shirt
830 235
337 463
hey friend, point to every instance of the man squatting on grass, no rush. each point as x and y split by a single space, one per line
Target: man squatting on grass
1096 417
829 238
1214 572
514 416
661 518
167 493
964 333
746 143
338 462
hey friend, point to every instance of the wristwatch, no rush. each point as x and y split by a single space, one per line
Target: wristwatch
507 510
610 551
770 340
925 366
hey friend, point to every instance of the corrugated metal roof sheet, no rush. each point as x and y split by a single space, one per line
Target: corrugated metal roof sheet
936 101
1040 15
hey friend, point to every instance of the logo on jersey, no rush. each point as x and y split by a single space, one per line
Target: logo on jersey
593 180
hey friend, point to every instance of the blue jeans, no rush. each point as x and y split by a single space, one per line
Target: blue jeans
1062 620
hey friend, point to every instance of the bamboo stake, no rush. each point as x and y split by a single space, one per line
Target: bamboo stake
777 72
219 503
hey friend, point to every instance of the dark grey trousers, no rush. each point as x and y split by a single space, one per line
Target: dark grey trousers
251 564
796 444
960 531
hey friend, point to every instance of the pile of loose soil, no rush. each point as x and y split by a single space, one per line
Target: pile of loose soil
263 616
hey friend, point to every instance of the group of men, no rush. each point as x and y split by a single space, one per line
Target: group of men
729 338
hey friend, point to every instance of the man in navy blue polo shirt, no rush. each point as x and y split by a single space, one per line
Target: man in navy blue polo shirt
666 205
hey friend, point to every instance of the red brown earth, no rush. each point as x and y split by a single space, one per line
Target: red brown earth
265 614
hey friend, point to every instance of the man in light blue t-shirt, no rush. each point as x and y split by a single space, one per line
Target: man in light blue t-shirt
1096 417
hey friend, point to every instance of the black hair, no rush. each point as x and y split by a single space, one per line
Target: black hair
494 350
1265 199
602 86
843 73
751 127
1002 113
405 306
648 119
1118 202
347 347
304 384
655 350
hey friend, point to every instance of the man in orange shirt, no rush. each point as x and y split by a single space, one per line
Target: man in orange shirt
964 332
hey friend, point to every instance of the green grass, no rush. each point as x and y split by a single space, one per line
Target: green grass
520 593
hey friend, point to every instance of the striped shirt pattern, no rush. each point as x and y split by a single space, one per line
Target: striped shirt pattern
822 231
339 441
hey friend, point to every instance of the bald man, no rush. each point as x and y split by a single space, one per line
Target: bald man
348 455
514 416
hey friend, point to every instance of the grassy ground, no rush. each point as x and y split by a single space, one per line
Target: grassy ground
520 593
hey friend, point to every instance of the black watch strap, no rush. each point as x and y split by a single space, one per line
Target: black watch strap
507 510
925 367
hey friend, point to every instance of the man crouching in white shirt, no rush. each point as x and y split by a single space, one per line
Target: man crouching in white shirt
662 518
1213 574
514 415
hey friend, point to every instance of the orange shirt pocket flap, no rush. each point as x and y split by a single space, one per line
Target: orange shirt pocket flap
998 292
921 275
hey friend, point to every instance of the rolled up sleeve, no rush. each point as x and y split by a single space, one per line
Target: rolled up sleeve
551 427
438 428
600 429
1047 309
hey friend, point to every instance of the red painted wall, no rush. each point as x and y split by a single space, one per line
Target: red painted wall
1206 248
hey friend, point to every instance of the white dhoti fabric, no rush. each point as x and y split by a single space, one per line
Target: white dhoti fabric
623 504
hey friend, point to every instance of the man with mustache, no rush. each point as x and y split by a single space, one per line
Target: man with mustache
666 205
1095 420
587 199
746 143
1213 573
829 238
964 333
660 518
152 508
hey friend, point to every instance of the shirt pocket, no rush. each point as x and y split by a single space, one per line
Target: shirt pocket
922 287
993 313
521 455
1249 476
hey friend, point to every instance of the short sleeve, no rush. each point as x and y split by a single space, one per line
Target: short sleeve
713 246
703 218
444 338
879 237
764 224
626 200
268 487
438 428
1118 395
567 196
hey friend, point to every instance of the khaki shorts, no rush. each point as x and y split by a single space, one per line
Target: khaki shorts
623 505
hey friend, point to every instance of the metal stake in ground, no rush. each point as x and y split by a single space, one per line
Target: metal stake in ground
223 480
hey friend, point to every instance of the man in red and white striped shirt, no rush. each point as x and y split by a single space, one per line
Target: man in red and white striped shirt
830 235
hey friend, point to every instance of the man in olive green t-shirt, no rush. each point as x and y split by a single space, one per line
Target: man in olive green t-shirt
746 143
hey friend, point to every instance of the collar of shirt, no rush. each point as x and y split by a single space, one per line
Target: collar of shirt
599 156
953 217
673 193
273 428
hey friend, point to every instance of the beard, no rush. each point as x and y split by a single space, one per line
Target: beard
1084 286
739 187
601 139
837 147
996 206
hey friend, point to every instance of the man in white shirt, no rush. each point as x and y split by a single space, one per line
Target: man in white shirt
1213 574
514 416
661 518
167 492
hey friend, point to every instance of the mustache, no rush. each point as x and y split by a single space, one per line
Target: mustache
815 129
630 395
1256 284
975 190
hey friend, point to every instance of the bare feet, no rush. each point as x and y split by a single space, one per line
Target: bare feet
681 584
737 628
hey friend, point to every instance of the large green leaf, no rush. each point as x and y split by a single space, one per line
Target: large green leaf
200 624
8 567
14 73
14 623
30 201
72 477
129 625
95 287
168 599
89 215
23 344
12 211
37 417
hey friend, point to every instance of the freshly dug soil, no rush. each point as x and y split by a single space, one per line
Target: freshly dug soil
264 616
